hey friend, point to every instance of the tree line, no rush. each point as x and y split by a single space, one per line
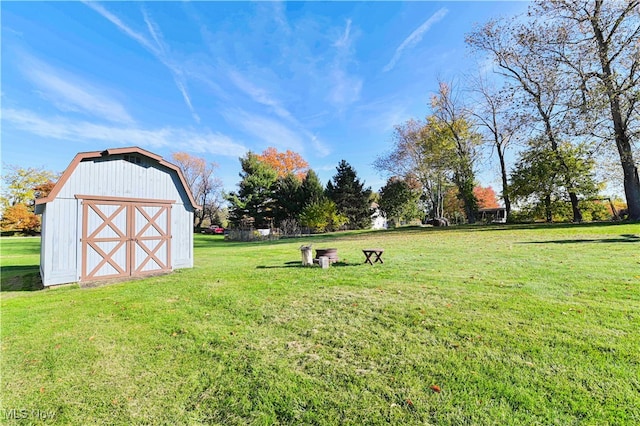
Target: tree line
278 190
564 89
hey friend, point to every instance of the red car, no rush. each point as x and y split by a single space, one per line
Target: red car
214 229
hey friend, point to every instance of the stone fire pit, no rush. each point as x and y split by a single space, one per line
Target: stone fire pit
331 253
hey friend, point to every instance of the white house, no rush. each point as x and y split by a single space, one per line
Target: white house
378 220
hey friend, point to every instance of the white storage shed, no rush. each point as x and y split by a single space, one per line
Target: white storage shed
114 214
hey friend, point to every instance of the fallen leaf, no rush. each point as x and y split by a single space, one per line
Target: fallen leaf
436 388
41 390
92 337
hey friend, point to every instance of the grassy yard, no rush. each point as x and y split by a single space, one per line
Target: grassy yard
463 325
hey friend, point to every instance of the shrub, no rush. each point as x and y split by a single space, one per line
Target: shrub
322 216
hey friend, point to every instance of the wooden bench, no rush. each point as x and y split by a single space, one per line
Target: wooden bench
368 253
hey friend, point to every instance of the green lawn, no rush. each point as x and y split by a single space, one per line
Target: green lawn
464 325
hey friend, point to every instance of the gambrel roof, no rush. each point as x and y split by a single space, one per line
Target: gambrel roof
116 151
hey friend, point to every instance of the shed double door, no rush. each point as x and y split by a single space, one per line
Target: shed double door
121 239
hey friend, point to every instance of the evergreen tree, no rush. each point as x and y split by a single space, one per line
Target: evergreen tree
311 189
351 199
253 202
288 198
399 201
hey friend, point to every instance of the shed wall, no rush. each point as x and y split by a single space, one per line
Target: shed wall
182 241
59 254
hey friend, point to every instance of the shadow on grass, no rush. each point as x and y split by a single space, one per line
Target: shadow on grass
21 278
624 238
298 264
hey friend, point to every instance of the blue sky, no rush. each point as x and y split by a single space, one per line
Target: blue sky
328 80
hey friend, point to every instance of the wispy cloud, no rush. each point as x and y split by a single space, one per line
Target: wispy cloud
259 95
344 42
415 37
278 8
263 97
64 129
384 113
271 132
345 87
142 40
320 148
157 47
69 92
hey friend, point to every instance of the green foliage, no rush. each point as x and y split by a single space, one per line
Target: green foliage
454 124
322 216
543 175
561 212
253 202
595 211
399 201
288 198
436 152
311 188
350 197
20 184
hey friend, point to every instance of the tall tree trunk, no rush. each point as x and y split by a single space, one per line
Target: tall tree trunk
577 215
547 208
630 171
505 182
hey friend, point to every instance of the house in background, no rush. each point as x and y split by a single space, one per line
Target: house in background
116 213
378 220
494 215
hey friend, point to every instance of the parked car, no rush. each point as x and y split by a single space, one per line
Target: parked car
213 229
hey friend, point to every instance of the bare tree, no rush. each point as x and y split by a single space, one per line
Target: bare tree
205 187
538 86
601 47
418 155
501 123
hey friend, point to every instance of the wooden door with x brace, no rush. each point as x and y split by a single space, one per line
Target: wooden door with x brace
125 238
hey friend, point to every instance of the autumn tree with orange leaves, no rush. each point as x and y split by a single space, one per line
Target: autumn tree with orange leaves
285 163
487 198
19 217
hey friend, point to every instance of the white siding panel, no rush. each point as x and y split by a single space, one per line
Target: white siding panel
119 178
182 241
60 242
